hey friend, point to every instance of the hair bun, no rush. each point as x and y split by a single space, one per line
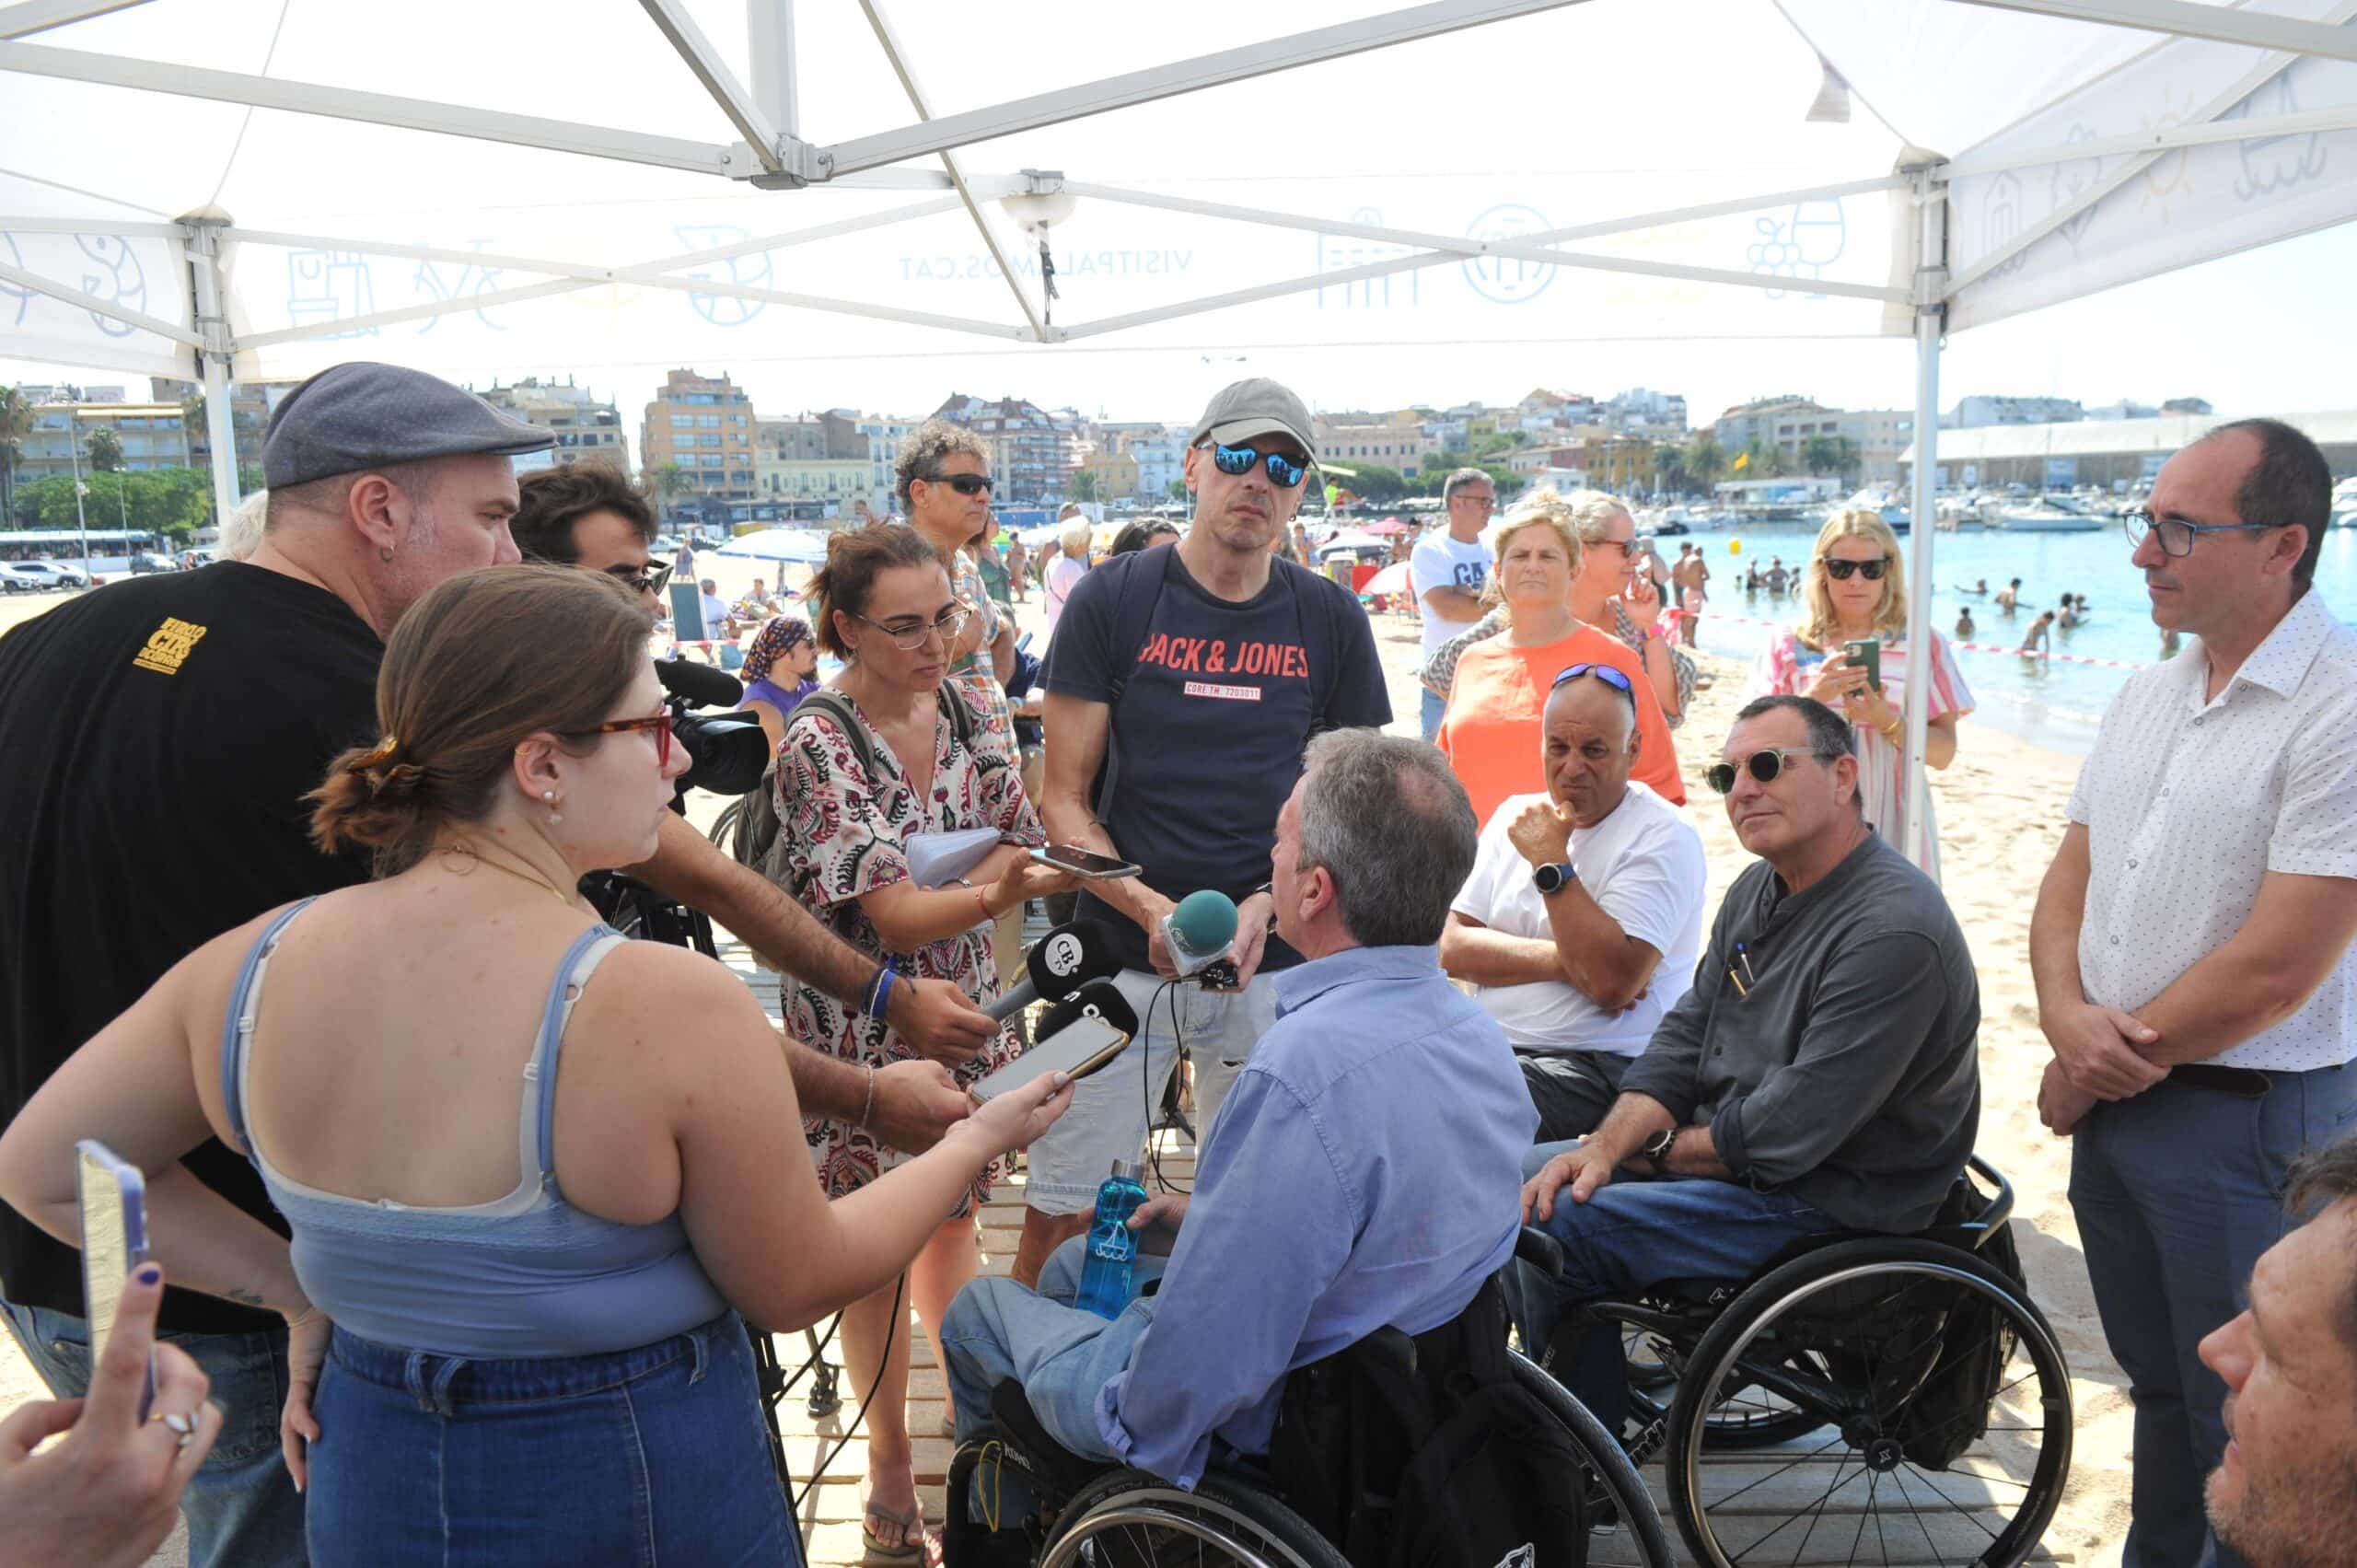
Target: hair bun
394 782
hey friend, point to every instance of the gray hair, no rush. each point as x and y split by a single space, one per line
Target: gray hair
241 530
1393 827
329 496
1459 480
2320 1179
1829 735
924 448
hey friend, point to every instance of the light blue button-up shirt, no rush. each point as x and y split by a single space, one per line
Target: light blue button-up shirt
1364 1170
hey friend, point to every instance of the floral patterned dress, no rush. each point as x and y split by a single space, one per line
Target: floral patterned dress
844 832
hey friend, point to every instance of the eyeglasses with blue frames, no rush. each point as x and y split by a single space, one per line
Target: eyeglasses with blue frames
1284 472
2177 536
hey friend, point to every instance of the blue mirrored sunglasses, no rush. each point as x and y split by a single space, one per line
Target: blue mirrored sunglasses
1284 472
1603 672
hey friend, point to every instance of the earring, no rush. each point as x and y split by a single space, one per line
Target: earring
385 553
555 816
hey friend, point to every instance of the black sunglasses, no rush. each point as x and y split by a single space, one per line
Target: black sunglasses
963 483
1766 766
1839 570
647 579
1284 472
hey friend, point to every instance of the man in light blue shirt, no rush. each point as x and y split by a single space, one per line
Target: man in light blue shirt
1362 1172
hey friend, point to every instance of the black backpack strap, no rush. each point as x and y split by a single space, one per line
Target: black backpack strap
1327 609
1135 597
838 707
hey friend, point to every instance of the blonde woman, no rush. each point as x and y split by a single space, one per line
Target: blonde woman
1489 731
1854 589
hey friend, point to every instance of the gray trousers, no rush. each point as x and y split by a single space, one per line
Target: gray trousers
2177 1190
1572 1090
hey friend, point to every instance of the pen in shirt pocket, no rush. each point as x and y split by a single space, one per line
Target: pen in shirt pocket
1747 980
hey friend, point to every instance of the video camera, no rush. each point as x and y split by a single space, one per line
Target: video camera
727 752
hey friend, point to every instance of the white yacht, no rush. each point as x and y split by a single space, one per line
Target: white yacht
2051 514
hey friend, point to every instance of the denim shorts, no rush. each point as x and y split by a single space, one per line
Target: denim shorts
657 1456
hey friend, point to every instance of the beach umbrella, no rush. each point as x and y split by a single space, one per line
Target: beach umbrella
1393 579
1351 541
805 547
1390 525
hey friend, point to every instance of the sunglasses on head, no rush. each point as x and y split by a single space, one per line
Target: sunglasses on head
963 483
1603 672
1839 570
1284 472
1766 766
647 579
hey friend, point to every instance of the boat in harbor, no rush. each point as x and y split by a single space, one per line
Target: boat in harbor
2051 514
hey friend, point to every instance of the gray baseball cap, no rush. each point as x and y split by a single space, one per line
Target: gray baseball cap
357 416
1256 407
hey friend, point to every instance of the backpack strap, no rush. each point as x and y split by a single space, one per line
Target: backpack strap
1328 608
1135 597
838 707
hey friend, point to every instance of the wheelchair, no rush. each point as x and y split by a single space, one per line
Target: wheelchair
1830 1407
1047 1507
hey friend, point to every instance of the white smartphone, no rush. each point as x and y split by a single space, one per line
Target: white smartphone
1086 864
1080 1048
114 1242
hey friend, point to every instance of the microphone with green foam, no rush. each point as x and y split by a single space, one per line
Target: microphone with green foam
1200 932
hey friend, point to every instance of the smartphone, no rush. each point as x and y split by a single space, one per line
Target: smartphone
1086 863
114 1242
1866 654
1080 1048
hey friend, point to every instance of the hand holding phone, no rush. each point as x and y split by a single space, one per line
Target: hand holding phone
114 1241
1084 1046
1865 653
1086 864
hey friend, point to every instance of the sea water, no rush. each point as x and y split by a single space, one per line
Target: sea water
2050 702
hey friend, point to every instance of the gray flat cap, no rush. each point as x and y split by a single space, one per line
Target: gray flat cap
357 416
1257 406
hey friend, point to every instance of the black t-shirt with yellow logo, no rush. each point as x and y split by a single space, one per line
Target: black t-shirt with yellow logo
157 738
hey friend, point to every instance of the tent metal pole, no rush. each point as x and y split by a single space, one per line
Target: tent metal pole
1931 314
212 318
768 31
2223 24
97 307
670 18
2259 128
30 17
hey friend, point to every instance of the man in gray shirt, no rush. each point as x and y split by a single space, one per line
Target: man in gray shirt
1821 1073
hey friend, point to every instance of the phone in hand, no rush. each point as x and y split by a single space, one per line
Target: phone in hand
1865 653
1086 864
114 1241
1084 1046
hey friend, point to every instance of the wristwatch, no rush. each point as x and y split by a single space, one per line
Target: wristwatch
1554 879
1657 1149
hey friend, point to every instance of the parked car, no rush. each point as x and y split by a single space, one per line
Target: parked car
51 574
143 565
14 582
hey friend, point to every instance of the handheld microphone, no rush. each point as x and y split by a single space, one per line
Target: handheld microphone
702 685
1200 932
1061 961
1097 999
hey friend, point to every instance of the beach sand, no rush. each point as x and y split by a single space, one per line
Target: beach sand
2001 810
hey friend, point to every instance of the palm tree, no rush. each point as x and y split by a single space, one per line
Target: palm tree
1821 455
15 424
1705 459
105 450
1670 468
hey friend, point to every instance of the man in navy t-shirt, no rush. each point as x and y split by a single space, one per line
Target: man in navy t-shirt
1183 686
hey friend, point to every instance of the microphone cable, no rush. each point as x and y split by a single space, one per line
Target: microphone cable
1146 1083
891 1327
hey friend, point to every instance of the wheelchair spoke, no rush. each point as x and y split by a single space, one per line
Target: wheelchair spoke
1834 1442
1960 1509
1919 1524
1859 1536
1813 1515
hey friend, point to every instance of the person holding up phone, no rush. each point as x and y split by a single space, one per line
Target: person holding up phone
877 760
106 1496
1853 591
532 1169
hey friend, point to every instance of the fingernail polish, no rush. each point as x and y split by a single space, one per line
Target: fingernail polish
150 1275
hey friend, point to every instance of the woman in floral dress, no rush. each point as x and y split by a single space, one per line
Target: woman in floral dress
856 779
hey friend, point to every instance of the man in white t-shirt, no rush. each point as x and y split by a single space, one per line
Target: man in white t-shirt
1581 922
1448 567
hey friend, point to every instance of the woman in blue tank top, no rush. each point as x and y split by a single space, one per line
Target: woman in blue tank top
538 1177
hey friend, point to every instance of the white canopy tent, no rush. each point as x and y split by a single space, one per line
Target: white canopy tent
868 181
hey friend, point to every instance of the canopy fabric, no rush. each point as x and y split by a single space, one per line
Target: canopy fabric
804 546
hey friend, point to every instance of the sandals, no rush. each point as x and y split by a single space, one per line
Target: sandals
916 1553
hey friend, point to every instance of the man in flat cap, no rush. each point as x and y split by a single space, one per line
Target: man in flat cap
1183 686
159 738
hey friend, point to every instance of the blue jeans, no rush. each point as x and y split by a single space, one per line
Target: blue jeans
241 1507
2177 1190
1633 1233
996 1330
1434 707
639 1456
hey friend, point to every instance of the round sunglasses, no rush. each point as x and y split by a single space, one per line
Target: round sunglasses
1766 766
1839 570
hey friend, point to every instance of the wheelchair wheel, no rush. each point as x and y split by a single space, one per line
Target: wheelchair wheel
1130 1519
1626 1529
1751 1418
1846 1336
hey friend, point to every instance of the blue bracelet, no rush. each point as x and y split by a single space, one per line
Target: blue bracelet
880 991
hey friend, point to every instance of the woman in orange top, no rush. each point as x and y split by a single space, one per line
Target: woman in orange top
1490 732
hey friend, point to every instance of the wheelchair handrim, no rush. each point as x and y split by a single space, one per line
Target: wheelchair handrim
2045 1486
1155 1507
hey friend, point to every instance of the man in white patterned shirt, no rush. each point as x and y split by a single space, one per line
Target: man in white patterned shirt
2191 943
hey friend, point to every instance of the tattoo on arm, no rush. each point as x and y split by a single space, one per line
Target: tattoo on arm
244 1297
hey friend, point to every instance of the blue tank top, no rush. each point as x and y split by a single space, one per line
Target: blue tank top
523 1276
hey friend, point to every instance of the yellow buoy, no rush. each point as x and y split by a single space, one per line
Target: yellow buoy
1735 546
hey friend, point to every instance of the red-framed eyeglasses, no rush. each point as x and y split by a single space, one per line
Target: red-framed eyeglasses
659 723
